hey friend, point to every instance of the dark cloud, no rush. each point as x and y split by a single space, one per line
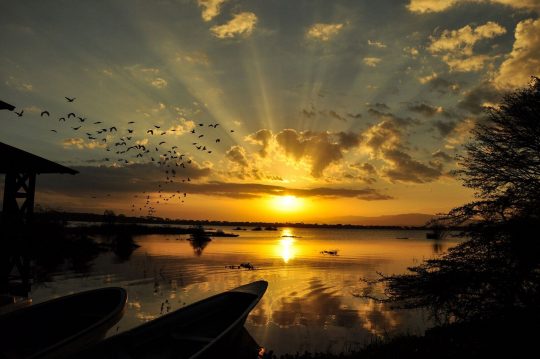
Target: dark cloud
308 113
125 179
136 178
443 156
336 116
387 116
255 190
312 113
237 154
445 127
365 167
243 168
424 109
442 85
261 137
365 172
379 106
354 115
406 169
321 148
385 139
474 100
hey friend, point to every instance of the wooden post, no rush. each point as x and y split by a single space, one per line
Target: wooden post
15 226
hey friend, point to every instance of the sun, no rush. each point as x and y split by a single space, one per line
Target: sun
286 203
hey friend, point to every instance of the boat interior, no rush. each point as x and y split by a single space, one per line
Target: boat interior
184 333
35 328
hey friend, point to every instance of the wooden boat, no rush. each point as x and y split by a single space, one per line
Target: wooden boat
10 303
62 326
198 330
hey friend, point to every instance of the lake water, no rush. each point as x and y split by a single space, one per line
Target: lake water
310 303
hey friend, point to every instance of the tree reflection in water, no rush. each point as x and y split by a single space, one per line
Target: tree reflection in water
198 240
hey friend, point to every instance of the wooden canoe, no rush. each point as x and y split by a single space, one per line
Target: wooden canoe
195 331
62 326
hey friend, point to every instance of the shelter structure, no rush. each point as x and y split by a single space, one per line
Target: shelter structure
20 169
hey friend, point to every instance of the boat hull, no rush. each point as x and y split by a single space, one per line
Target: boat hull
62 326
199 330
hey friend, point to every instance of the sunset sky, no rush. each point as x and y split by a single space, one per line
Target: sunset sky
326 109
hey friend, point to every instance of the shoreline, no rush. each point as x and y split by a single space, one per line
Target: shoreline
122 219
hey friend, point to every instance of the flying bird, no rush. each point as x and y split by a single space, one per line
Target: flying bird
112 128
130 122
218 140
76 128
156 126
43 113
150 132
19 114
71 114
97 123
62 119
70 99
54 131
82 119
201 136
232 130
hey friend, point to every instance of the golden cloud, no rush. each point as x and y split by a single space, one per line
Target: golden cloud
524 60
211 8
159 82
183 127
427 6
378 44
384 141
80 144
371 61
455 47
240 24
261 137
323 32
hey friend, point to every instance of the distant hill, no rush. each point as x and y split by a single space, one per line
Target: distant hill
408 219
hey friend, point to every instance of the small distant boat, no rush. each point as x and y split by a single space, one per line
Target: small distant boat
197 330
63 326
333 252
257 229
270 228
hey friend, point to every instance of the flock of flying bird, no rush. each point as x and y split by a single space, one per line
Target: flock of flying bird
124 148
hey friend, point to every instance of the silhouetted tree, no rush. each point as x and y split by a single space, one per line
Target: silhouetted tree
497 270
109 217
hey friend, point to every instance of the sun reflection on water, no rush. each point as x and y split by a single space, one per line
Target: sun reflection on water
286 249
